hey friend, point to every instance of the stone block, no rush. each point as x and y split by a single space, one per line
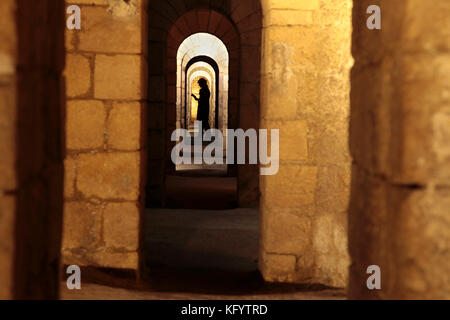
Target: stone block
78 75
277 267
118 260
119 77
85 124
292 186
101 258
285 232
333 189
82 225
114 175
124 126
329 238
103 30
121 225
293 138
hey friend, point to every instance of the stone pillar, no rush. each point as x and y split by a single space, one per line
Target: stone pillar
400 133
305 94
106 109
248 17
31 147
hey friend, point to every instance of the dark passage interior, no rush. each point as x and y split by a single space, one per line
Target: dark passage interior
197 236
206 251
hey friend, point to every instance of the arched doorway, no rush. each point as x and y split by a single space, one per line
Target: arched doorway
220 86
243 42
203 50
209 43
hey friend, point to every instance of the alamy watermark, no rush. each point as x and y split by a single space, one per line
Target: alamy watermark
374 20
213 152
73 21
74 280
374 281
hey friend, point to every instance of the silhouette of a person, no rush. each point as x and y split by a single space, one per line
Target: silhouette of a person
203 103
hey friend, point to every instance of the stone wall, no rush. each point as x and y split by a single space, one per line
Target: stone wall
400 133
106 103
31 147
305 93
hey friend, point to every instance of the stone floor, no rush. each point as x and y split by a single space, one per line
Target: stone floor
202 239
198 254
201 186
102 292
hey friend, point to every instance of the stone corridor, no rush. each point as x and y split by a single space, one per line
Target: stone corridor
86 170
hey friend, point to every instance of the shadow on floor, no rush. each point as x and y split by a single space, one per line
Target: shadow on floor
196 254
207 252
201 192
166 283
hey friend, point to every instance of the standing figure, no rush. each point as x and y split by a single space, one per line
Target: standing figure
203 103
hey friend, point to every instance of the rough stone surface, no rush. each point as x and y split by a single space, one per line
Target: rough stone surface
399 207
305 93
124 126
121 226
98 26
106 81
82 225
85 124
118 77
109 175
31 147
78 75
278 267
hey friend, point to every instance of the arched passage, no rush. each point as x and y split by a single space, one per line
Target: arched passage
209 49
204 40
207 63
239 28
221 89
196 70
192 87
304 94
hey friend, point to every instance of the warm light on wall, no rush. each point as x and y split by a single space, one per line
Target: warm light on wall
207 45
203 44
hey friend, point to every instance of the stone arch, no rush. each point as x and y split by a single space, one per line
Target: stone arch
201 69
226 32
211 80
221 89
239 26
199 47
